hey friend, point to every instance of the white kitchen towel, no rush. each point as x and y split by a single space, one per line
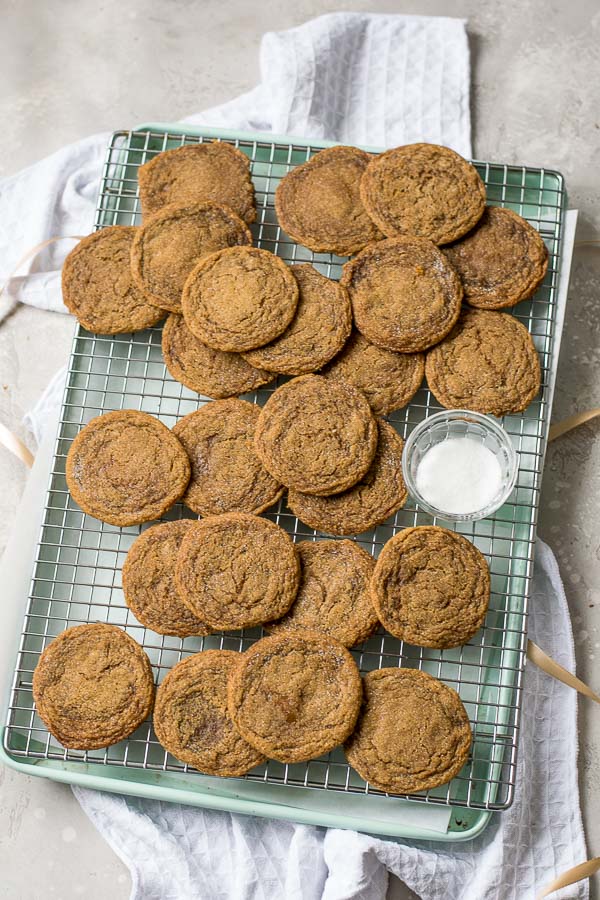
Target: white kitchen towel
182 853
380 80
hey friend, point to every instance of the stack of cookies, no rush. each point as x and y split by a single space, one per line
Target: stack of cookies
422 242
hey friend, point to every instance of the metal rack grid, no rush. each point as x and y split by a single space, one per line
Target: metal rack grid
77 575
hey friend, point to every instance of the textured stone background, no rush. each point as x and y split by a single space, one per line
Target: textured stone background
70 69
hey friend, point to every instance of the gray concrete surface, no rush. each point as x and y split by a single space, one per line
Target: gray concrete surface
71 69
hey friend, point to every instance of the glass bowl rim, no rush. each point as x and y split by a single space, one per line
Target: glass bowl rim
488 423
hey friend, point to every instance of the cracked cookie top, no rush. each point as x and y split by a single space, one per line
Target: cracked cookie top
371 501
431 587
240 298
388 380
318 203
149 581
502 261
212 373
295 696
334 595
195 173
317 332
172 241
98 287
413 732
237 570
424 190
316 435
488 363
93 686
126 467
192 721
227 475
405 295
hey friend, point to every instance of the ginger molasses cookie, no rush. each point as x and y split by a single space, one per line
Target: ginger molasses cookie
317 332
239 299
488 363
431 587
413 732
405 295
502 261
191 719
98 288
93 686
424 190
316 435
149 581
378 496
195 173
212 373
237 570
334 595
318 203
172 241
295 696
388 380
227 475
126 467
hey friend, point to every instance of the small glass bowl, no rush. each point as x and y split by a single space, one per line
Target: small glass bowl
456 423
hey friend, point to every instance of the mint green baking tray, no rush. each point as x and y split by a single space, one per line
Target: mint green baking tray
77 572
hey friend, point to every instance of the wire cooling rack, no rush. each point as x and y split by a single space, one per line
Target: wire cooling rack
77 574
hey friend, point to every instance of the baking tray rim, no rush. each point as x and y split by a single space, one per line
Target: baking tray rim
139 782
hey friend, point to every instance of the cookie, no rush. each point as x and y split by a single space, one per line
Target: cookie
423 190
318 203
378 496
405 295
237 570
149 581
413 732
212 373
295 696
488 363
239 299
126 467
316 435
317 332
501 262
431 587
93 686
191 719
98 288
334 595
195 173
227 475
174 240
388 380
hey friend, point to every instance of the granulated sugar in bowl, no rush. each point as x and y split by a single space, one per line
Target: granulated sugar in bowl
460 465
